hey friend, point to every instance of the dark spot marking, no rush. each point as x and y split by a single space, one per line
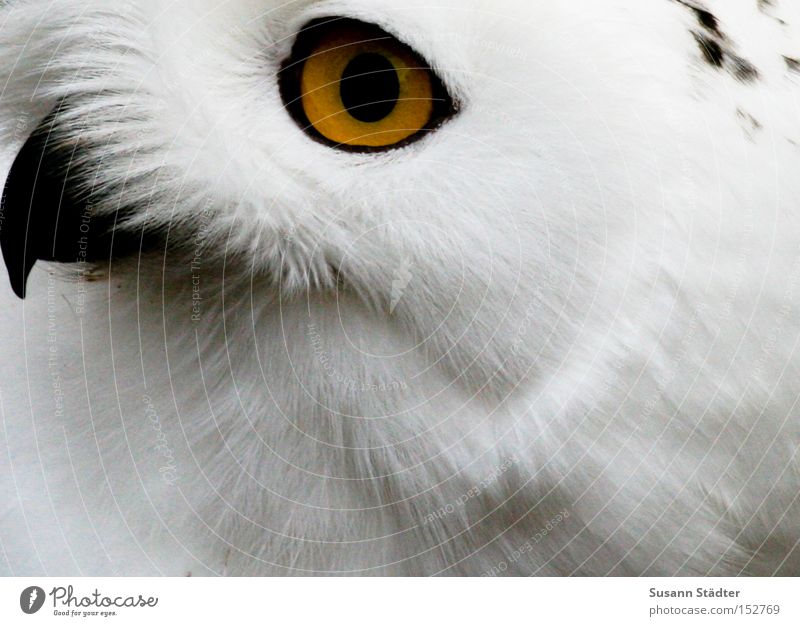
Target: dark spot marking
792 64
742 69
750 124
705 17
764 6
716 47
711 49
708 20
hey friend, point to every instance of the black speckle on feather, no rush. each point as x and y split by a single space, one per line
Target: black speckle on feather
716 47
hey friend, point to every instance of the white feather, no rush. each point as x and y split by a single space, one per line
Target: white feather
564 339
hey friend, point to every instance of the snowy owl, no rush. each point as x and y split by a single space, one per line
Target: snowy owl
381 287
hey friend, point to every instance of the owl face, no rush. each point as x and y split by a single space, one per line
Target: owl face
463 168
386 285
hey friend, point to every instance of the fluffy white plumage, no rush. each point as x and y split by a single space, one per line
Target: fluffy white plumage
558 335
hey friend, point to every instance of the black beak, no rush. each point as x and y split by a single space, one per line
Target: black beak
47 212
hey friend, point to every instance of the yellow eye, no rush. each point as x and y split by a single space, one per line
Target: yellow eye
354 85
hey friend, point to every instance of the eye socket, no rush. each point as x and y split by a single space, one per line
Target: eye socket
354 86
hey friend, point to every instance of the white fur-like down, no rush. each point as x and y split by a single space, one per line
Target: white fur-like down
558 335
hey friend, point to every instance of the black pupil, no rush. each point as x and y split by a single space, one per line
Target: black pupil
370 87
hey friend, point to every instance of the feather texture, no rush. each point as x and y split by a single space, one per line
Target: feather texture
556 336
